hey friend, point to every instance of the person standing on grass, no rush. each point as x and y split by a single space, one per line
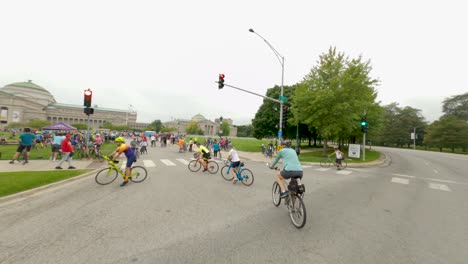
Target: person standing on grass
56 145
67 149
25 142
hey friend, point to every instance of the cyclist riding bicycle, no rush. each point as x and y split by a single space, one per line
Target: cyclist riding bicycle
235 161
129 153
339 157
205 153
292 168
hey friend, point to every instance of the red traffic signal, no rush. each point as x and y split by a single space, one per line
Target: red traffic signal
87 97
221 81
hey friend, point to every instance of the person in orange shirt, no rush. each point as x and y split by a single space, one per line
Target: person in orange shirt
181 143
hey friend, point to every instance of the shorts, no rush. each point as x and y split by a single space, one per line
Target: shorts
291 174
338 161
235 164
22 147
130 161
206 156
56 147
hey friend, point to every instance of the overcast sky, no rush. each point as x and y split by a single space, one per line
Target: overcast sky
163 57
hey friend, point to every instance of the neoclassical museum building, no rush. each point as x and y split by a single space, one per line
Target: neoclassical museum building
25 101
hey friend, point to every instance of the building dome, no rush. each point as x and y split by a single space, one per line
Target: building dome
198 118
30 90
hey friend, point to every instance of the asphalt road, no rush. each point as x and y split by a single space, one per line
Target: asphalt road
411 210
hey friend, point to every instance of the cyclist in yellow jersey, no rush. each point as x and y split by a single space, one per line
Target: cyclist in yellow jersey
205 153
129 153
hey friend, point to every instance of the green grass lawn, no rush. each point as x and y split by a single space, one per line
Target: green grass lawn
14 182
7 151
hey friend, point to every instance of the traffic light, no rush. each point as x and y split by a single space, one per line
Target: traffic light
87 97
88 111
221 81
364 125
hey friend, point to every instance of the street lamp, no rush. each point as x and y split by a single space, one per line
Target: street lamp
281 61
130 108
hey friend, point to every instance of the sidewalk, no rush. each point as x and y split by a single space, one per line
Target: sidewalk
45 165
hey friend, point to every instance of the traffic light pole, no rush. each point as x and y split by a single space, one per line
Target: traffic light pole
364 147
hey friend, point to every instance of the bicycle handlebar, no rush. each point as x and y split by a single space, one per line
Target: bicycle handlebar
275 168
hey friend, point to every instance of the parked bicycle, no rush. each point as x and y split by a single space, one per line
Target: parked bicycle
196 164
243 175
326 163
294 201
108 175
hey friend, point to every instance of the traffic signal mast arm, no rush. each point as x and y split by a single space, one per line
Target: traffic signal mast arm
266 97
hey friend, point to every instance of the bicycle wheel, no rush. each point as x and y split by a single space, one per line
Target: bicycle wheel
325 163
194 166
213 167
139 174
276 194
105 176
247 177
344 164
297 211
226 173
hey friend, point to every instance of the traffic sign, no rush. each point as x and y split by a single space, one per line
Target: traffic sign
283 99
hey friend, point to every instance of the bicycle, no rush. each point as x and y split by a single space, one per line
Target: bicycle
329 162
94 152
243 175
294 201
196 164
109 174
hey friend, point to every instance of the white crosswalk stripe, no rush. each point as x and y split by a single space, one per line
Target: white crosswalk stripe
183 161
400 180
168 162
149 163
438 186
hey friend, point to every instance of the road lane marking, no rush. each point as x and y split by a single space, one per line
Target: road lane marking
185 162
438 186
429 179
323 169
400 180
149 163
167 162
344 172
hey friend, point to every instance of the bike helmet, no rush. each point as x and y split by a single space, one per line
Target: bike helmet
120 139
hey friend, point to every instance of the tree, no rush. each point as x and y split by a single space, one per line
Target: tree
456 106
37 124
266 120
449 132
192 128
225 128
80 126
335 95
398 125
245 131
156 125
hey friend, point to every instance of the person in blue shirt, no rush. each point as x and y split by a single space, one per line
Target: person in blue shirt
25 142
292 168
216 148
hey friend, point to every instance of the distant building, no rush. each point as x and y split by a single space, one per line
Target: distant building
25 101
208 127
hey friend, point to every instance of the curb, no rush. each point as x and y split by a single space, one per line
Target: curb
26 193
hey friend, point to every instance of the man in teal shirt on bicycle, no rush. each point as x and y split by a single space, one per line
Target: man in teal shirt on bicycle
292 168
